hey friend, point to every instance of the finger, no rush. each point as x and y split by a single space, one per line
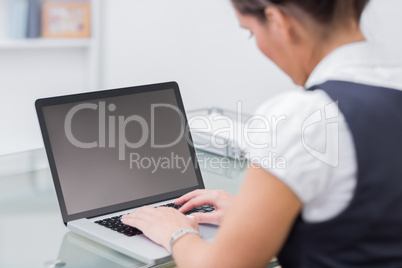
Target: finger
167 210
135 222
196 202
143 212
140 218
185 198
211 217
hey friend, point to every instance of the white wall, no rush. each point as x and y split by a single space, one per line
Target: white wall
197 43
382 22
3 20
29 74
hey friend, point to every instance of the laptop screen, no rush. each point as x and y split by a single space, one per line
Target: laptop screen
118 149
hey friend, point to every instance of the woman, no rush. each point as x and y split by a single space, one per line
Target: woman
336 208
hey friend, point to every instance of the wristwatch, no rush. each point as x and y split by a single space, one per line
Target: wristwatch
179 233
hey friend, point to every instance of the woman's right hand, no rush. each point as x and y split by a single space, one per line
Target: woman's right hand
221 200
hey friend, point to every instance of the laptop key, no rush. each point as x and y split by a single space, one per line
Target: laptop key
116 224
120 227
122 230
129 233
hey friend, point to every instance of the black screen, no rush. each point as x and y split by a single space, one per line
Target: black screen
119 150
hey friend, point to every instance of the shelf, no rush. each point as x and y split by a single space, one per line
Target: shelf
46 43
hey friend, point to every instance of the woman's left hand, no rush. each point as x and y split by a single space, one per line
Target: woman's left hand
158 224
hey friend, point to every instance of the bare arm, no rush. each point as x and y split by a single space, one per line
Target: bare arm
252 232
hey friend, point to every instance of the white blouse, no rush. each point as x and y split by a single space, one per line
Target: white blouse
303 139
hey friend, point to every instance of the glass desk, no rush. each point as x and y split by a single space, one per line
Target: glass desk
33 235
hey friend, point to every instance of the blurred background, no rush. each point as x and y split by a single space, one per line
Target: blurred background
49 48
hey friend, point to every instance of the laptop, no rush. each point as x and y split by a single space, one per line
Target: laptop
113 151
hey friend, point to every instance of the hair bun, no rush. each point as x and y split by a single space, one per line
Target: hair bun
323 11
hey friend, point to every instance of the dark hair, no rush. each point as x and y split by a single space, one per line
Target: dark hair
326 12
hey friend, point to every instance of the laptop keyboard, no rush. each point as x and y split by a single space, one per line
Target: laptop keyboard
115 224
